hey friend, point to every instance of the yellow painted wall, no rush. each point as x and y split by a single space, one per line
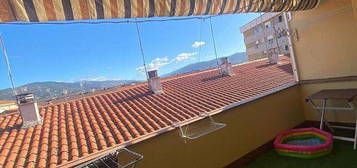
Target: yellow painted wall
327 45
248 126
354 5
326 48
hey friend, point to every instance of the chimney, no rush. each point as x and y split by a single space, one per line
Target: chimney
273 57
154 82
226 67
29 110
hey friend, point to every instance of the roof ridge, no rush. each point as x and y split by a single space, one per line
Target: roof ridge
166 79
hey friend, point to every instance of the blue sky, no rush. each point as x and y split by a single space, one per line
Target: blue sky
111 51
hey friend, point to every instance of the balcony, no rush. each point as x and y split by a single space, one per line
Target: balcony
258 102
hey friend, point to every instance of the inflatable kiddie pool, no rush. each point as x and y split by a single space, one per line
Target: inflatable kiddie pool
306 143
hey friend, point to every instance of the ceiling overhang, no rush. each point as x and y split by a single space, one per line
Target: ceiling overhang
61 10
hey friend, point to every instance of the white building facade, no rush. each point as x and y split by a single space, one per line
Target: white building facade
266 36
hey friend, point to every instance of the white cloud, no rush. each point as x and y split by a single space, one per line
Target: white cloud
96 78
196 44
155 64
184 56
210 57
159 62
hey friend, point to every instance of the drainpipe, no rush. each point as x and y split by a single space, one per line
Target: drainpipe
291 48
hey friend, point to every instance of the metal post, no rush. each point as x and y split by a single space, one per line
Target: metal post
319 111
291 49
355 110
323 114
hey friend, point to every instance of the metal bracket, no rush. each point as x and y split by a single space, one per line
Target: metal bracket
111 160
199 132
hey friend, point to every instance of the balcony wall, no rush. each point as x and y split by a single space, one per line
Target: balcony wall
327 40
326 49
248 126
341 116
354 6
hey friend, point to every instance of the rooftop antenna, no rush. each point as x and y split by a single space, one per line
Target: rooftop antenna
81 85
8 66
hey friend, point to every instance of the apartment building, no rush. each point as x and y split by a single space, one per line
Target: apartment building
266 36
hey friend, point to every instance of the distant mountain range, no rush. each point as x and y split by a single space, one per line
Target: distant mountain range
45 90
236 58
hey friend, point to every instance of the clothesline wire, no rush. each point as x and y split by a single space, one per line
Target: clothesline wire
8 66
214 43
142 50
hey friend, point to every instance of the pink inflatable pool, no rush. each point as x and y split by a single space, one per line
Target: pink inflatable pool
304 143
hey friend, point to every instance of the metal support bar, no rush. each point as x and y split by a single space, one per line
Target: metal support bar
335 108
355 110
344 138
134 162
323 114
342 127
107 160
213 126
322 111
291 48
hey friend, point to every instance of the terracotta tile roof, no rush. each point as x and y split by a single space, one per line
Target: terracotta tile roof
6 102
79 129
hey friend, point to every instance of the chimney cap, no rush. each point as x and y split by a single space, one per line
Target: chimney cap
224 60
25 98
152 73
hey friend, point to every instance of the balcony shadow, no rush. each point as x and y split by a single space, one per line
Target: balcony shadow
264 65
287 68
10 128
211 78
138 96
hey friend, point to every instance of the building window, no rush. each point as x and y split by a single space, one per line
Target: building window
267 24
257 29
280 19
270 39
257 44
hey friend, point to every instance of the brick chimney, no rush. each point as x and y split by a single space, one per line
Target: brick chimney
226 67
154 82
29 110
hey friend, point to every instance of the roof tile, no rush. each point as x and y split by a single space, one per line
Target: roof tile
76 128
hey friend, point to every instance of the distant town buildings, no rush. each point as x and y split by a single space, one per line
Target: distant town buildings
266 36
7 105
